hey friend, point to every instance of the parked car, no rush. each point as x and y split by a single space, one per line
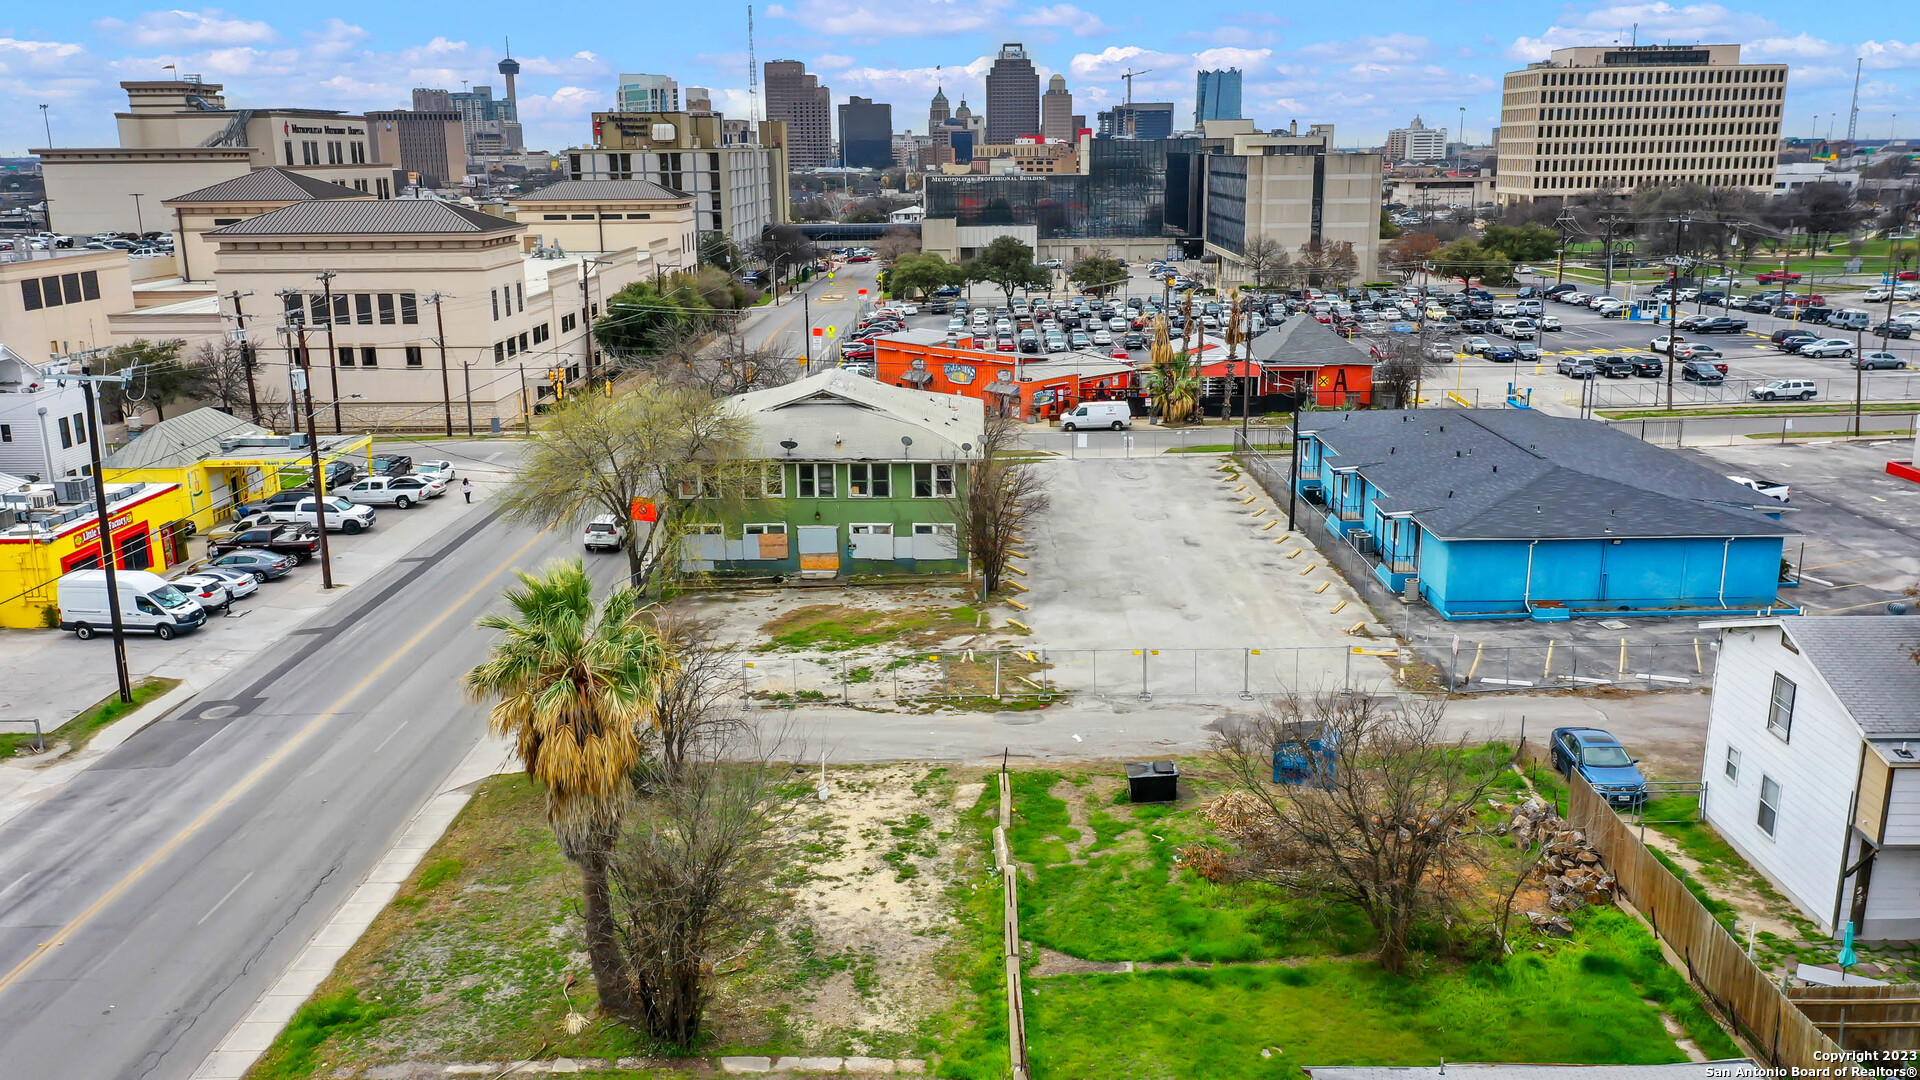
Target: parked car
1696 350
428 485
1699 371
1774 277
1549 322
1614 367
1520 330
263 565
148 602
383 491
271 504
1723 325
1134 339
441 469
1663 342
1440 350
1892 330
1500 353
339 515
1576 367
1772 489
1476 346
1097 414
392 464
1647 366
1601 761
1875 360
238 581
207 590
1798 389
1826 347
298 541
603 534
1526 352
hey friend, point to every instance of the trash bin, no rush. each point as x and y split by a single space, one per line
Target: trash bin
1153 781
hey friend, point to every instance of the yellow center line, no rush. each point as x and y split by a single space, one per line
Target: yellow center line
247 783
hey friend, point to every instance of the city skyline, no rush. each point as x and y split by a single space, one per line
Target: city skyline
1309 67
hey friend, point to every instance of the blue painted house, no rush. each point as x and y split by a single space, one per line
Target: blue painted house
1505 513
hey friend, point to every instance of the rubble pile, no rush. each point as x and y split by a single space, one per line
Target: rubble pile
1569 868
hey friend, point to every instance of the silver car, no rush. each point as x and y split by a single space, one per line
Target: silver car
238 582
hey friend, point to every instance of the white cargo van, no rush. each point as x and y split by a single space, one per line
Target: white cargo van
1097 414
148 603
1850 319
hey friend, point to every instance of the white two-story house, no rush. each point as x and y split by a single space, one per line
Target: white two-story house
1812 767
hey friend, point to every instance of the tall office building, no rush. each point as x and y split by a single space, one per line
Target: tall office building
1140 120
428 100
937 111
866 134
1013 96
798 99
647 93
432 145
1056 111
1417 142
492 124
1216 95
1610 118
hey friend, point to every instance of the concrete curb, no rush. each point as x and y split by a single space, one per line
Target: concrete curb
28 783
250 1038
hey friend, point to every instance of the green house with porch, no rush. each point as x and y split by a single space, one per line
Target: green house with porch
858 478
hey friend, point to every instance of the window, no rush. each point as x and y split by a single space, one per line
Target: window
359 153
346 356
30 294
816 480
90 285
1780 708
369 357
771 528
773 482
706 528
50 291
541 333
523 342
386 309
1732 766
870 481
363 308
520 294
72 284
414 359
79 427
409 309
1769 815
553 217
499 352
495 293
568 322
6 432
66 435
931 481
513 346
695 487
289 148
340 314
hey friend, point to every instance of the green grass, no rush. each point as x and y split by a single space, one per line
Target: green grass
1833 409
1209 448
1579 1001
79 731
293 1054
1832 434
972 1035
834 627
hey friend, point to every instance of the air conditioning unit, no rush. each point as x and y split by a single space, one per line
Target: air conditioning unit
39 499
69 492
8 519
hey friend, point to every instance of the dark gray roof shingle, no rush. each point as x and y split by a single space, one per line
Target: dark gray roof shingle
269 185
1300 340
345 216
1868 661
602 191
1468 474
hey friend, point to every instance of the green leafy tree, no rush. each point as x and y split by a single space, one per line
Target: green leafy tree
1466 262
1099 273
572 684
159 378
718 249
1521 243
1388 230
1007 265
644 317
923 274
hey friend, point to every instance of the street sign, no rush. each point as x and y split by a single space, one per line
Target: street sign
1854 265
819 331
830 330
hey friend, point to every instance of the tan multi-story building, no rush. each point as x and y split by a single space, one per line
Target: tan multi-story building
1289 189
432 146
1609 119
797 99
609 215
179 135
739 187
1029 155
194 214
57 302
1056 111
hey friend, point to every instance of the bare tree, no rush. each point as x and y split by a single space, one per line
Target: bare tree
1376 819
692 704
692 881
897 242
1264 257
719 365
1000 497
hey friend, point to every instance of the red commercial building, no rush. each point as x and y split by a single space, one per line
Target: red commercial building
1030 387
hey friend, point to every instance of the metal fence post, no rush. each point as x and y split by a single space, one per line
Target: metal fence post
1145 694
746 693
1246 675
845 690
1346 680
996 676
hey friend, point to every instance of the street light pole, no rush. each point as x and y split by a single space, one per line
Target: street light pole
446 384
333 355
139 221
108 554
301 372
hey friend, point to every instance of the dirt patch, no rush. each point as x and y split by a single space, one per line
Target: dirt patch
1753 907
831 627
1052 963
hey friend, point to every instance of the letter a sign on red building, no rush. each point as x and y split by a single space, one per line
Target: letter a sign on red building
642 510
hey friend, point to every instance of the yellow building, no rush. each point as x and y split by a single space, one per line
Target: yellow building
219 461
45 538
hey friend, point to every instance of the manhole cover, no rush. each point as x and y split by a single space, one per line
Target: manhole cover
218 712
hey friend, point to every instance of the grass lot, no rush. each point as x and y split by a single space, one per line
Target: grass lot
73 736
834 627
1833 409
1227 972
887 944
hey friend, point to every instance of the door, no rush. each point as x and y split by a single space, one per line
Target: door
820 550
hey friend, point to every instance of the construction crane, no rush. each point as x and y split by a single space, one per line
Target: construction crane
1128 75
1853 114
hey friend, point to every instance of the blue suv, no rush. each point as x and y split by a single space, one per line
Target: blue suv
1602 761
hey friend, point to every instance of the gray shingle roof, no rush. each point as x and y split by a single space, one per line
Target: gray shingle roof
346 216
269 185
839 416
181 440
1519 474
602 191
1300 340
1868 661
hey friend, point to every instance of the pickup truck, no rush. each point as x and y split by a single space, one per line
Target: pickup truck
341 515
1721 326
301 542
1774 277
384 491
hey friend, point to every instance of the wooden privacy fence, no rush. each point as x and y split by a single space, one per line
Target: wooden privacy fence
1010 930
1864 1018
1716 964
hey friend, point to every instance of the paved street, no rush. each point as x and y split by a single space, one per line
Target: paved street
144 907
825 304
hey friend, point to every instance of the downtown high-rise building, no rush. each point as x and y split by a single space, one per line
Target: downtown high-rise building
866 134
1013 96
1056 111
647 93
937 111
1216 95
1417 142
798 99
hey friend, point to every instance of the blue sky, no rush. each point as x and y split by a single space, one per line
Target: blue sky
1363 67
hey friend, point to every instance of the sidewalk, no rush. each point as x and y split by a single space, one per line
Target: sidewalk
53 676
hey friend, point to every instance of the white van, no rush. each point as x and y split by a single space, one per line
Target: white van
1850 319
148 602
1097 414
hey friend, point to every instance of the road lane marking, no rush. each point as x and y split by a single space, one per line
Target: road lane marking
224 899
390 735
248 782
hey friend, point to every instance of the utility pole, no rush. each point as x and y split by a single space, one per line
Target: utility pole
108 554
446 383
1606 246
333 356
246 353
300 372
1673 289
466 376
526 408
1562 223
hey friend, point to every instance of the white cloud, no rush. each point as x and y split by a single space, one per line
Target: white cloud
575 103
1891 54
833 62
876 21
1065 17
175 29
1247 60
1109 62
1802 46
1379 48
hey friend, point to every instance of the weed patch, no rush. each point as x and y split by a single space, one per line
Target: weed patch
837 627
76 733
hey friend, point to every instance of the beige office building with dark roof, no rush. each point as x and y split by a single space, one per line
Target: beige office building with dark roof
1610 119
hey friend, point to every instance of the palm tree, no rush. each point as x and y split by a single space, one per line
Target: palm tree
1173 378
572 687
